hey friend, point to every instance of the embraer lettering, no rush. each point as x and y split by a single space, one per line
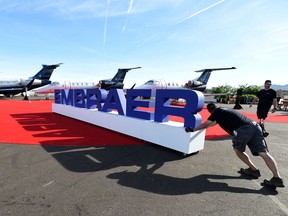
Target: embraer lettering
133 106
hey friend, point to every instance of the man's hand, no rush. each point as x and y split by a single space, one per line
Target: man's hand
189 129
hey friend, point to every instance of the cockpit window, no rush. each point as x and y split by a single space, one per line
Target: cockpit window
150 82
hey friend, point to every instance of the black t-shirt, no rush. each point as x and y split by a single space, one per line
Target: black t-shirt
229 119
266 98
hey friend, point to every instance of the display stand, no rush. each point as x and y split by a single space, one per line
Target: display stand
169 134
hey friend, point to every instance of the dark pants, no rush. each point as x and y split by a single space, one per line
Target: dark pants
251 136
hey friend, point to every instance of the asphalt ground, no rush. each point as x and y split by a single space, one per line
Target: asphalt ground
140 180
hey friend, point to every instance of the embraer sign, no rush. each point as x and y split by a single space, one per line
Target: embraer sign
115 100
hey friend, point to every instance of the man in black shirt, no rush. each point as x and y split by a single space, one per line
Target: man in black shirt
245 132
266 97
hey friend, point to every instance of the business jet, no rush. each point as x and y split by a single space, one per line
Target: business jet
107 84
11 87
199 83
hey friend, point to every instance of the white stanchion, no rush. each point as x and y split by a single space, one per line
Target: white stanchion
169 134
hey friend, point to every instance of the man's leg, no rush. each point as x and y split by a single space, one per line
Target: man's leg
276 180
246 159
271 163
262 115
264 132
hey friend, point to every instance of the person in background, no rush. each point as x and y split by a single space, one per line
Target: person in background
245 132
189 84
99 84
266 98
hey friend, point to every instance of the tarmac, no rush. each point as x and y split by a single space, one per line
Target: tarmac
140 180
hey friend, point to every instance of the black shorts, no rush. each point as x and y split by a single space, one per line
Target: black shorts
251 136
262 113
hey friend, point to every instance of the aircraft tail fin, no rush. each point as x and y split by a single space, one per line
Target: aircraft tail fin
46 72
204 77
207 72
28 85
120 75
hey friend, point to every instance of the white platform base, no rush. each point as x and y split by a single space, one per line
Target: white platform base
170 134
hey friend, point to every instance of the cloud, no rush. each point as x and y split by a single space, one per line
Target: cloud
64 8
128 12
87 8
277 30
200 11
106 23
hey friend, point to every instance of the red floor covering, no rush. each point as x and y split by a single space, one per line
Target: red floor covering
32 122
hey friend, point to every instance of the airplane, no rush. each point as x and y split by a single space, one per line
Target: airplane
117 80
199 83
11 87
107 84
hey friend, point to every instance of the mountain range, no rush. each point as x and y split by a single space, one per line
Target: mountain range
279 87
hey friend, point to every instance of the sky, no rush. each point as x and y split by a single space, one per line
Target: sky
168 39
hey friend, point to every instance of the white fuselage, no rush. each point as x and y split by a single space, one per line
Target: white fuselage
64 85
160 84
13 82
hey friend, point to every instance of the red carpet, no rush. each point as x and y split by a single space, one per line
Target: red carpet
32 122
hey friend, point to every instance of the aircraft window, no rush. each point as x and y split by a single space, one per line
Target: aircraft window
169 84
150 82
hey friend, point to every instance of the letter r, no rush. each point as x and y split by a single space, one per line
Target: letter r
194 103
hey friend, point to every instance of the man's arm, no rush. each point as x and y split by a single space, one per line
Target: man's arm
274 105
206 124
253 101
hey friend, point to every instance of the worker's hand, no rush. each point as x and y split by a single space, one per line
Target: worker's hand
189 129
273 110
250 105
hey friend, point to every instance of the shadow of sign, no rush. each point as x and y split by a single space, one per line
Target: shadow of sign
93 159
146 159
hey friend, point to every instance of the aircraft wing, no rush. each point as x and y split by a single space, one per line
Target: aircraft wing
215 94
11 89
29 84
213 69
